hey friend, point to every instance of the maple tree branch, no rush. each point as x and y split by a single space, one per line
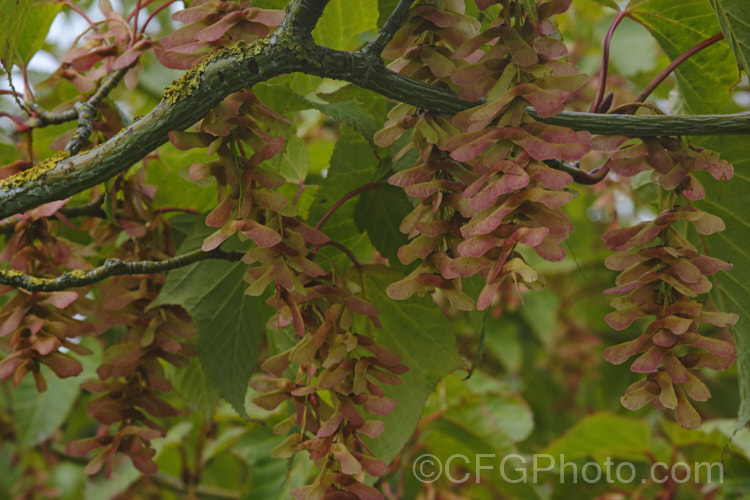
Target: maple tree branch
243 65
111 267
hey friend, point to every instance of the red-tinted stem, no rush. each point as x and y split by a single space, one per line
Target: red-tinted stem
342 200
345 250
27 86
300 188
155 12
605 61
679 60
141 6
137 9
81 13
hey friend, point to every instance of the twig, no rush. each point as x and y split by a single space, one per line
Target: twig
87 112
111 267
301 17
45 118
391 26
91 209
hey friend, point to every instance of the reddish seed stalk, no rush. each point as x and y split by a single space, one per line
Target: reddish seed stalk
679 60
605 61
80 12
155 12
27 85
140 6
300 188
345 250
350 194
137 10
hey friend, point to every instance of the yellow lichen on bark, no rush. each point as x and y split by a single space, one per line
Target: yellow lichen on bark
33 173
191 80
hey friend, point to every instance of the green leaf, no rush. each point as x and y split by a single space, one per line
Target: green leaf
502 339
281 97
734 18
488 425
609 3
270 4
295 161
385 8
633 50
192 383
418 331
497 419
350 113
604 435
343 23
541 313
230 323
704 80
353 164
728 200
38 415
271 478
379 212
36 25
179 190
370 102
124 474
12 24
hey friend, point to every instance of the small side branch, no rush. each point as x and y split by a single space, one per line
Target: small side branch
111 267
302 16
91 209
46 118
87 112
391 26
